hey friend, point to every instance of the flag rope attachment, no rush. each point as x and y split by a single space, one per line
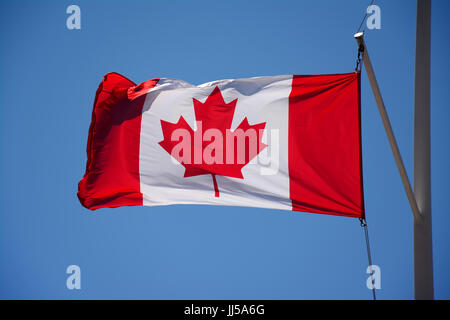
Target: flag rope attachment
369 255
359 59
363 220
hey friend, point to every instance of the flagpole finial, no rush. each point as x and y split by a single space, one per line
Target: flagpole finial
359 35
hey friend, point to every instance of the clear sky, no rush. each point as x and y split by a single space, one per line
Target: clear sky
48 79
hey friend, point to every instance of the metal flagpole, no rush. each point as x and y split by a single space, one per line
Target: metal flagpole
423 249
421 208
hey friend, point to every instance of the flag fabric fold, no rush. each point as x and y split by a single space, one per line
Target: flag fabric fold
278 142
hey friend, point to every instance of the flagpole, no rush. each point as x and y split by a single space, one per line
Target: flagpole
420 199
423 249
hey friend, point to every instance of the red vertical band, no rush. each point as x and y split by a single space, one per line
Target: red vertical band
325 168
112 170
363 207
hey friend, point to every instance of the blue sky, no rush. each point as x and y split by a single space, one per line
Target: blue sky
48 79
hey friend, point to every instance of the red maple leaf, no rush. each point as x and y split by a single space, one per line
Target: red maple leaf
213 148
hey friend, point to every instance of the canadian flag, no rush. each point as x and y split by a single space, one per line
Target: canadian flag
278 142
